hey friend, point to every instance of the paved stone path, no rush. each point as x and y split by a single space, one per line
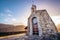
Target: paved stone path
13 37
21 38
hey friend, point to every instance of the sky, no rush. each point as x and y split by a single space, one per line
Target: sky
17 11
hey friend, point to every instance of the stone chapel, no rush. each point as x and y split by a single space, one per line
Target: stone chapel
40 23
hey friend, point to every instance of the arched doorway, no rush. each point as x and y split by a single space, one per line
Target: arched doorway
35 26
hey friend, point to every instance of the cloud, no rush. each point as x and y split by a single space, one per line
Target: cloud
13 19
7 10
6 13
52 9
10 15
6 19
56 19
1 14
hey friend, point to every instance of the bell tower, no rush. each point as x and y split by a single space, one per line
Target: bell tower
33 8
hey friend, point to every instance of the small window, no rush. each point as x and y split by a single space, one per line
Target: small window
51 31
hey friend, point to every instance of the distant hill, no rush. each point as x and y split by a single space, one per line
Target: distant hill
11 28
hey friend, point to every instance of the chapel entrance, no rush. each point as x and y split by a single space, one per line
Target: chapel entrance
35 26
